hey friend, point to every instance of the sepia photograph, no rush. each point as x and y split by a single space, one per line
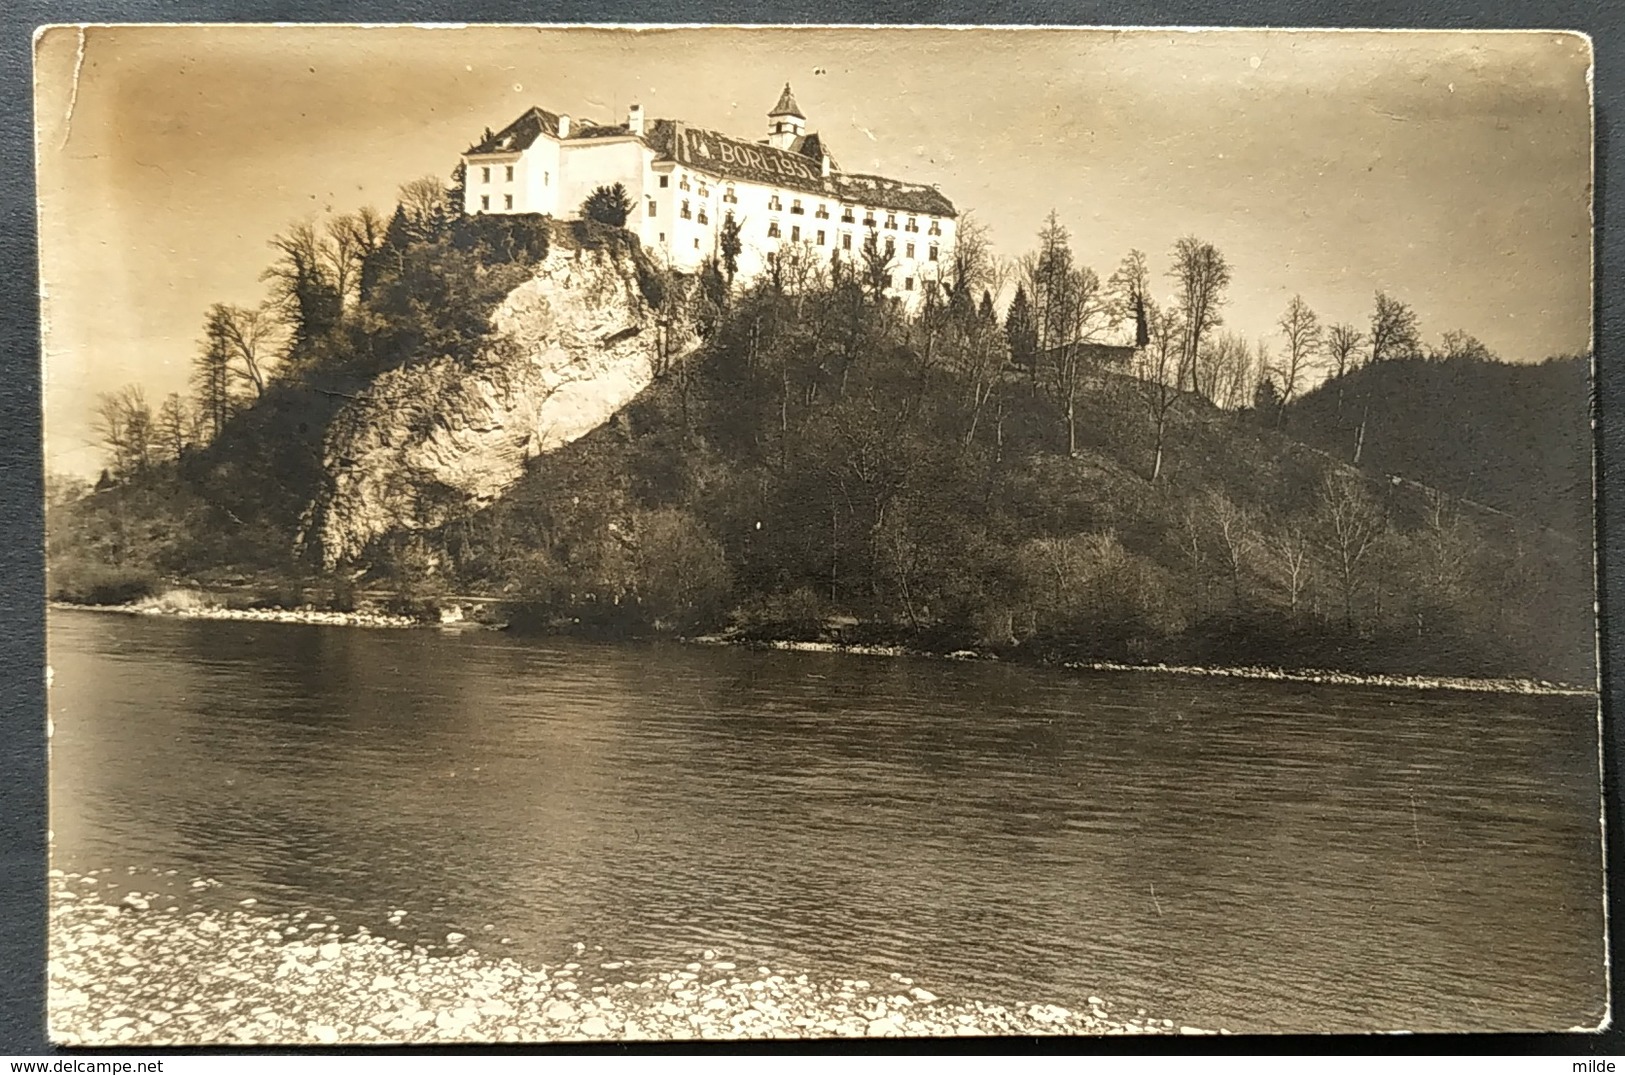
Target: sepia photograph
644 534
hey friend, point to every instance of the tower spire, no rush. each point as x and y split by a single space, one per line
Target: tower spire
786 105
785 123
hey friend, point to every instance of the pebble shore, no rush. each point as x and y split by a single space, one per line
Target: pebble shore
1505 685
143 972
262 615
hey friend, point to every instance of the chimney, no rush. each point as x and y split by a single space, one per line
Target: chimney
564 126
823 166
634 120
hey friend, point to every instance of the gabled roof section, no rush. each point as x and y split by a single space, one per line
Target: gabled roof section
519 135
786 105
709 151
810 146
883 193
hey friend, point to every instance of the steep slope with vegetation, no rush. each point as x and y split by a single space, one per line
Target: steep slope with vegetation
830 464
1514 437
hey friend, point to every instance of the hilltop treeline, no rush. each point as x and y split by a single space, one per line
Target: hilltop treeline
830 463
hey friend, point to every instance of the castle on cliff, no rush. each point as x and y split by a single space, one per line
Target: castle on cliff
684 182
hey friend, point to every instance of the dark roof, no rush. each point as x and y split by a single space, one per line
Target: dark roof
786 105
518 135
885 193
710 151
810 146
588 129
797 168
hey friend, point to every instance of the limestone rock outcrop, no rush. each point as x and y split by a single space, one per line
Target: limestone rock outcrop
433 440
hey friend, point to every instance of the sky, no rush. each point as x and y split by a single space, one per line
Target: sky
1452 170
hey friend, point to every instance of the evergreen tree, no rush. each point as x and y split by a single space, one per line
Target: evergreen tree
1022 331
608 205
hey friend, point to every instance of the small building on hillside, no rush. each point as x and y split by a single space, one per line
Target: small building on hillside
785 191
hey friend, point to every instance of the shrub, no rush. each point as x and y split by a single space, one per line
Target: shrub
682 572
797 616
101 584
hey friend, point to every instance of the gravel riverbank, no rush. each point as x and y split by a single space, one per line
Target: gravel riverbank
1503 685
133 969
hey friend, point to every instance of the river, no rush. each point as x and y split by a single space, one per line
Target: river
1250 855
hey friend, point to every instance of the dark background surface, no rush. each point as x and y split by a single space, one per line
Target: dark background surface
22 702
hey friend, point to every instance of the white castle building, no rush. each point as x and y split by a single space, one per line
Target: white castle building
684 182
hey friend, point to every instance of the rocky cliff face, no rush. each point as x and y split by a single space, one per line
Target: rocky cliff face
428 442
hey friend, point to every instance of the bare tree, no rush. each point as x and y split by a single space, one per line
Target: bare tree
1224 370
351 239
878 260
1288 546
1350 522
1200 275
983 355
303 291
1302 330
173 427
423 200
968 268
1393 330
250 337
1343 343
1069 308
123 423
1393 335
1128 290
1233 525
1457 344
211 377
1157 371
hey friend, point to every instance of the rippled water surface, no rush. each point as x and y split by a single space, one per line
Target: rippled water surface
1255 856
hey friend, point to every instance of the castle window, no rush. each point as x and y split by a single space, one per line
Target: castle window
891 246
703 218
891 221
485 175
651 207
683 184
547 177
774 204
795 207
662 236
507 201
908 283
933 252
705 191
485 201
823 212
908 251
696 244
868 218
936 229
729 196
728 218
686 215
795 234
846 240
772 229
665 181
913 224
509 175
846 214
820 238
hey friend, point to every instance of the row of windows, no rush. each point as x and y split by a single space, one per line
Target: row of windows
485 201
507 169
776 204
773 232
